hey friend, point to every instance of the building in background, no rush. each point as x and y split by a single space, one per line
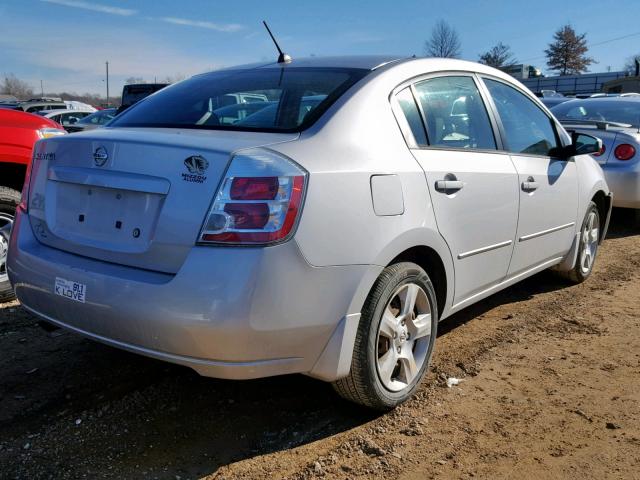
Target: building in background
522 71
573 85
630 84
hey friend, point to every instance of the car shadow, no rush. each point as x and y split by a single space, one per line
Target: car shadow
99 411
621 225
543 282
625 222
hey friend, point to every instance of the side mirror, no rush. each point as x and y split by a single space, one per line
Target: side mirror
581 144
584 144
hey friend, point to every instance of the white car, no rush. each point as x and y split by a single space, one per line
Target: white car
66 117
75 105
326 234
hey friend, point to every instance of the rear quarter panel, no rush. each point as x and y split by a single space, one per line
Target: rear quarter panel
357 139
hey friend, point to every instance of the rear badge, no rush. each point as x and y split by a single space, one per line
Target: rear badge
100 156
71 290
196 165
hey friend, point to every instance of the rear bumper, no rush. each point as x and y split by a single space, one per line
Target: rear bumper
232 313
625 185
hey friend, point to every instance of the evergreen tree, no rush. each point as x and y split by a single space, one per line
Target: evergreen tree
567 53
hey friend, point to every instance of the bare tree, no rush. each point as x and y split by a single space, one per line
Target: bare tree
498 56
12 85
90 98
630 64
567 54
174 78
131 80
444 41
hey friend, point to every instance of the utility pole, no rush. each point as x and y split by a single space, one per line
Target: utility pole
41 89
107 63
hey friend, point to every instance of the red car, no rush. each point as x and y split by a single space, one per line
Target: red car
19 131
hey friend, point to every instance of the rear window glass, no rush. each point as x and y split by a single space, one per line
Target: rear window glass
599 110
274 99
134 93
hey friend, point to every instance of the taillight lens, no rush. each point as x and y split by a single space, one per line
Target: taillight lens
601 152
624 151
258 202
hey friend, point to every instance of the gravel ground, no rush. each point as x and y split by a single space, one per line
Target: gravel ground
550 377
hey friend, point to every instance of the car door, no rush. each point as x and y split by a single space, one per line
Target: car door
548 187
473 186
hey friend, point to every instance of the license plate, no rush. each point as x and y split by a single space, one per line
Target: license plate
71 290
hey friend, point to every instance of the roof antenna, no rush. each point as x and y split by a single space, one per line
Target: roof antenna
283 57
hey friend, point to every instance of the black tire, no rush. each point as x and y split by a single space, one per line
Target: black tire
363 384
9 200
578 274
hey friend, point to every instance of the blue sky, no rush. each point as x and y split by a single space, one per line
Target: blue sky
66 42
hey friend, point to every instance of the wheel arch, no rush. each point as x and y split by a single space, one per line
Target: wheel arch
429 260
604 203
12 175
424 247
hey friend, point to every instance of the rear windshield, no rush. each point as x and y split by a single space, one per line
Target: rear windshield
134 93
599 110
274 99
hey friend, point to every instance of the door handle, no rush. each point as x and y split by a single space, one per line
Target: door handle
530 185
450 184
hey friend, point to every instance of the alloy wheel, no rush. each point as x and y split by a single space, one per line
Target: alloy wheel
403 337
590 236
6 222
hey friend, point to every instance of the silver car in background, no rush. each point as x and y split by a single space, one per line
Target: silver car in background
97 119
325 231
616 121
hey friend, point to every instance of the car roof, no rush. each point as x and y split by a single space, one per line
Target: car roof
597 100
58 111
380 63
363 62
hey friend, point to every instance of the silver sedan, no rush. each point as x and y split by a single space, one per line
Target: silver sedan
325 231
615 120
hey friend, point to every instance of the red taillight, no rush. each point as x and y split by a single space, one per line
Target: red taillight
601 152
258 202
252 188
248 216
624 151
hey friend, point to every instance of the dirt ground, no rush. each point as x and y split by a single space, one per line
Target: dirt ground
550 389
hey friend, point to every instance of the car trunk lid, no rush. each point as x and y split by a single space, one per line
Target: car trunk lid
135 197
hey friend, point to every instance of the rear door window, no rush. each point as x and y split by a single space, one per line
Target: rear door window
527 128
455 115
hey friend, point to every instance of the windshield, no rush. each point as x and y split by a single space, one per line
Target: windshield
599 110
274 99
